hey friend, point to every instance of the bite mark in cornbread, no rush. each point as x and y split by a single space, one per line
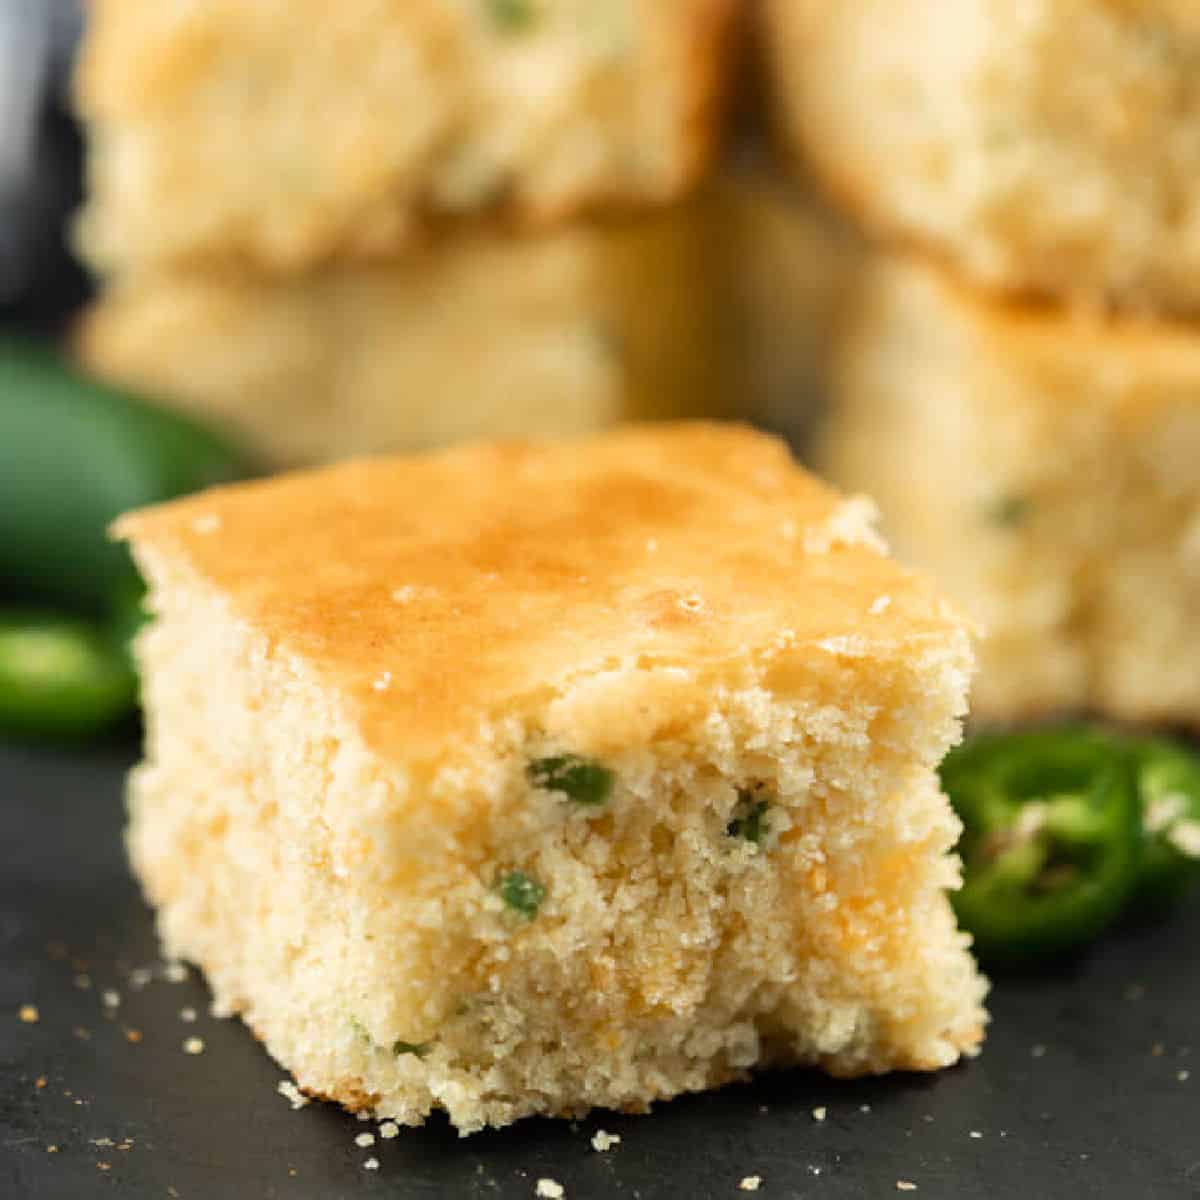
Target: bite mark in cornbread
528 777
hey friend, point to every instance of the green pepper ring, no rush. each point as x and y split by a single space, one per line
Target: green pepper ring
1166 872
990 781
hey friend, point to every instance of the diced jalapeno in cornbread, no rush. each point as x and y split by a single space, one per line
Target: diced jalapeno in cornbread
749 818
522 893
511 16
579 779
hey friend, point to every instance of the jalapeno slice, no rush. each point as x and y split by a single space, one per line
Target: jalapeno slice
1168 779
1051 843
61 676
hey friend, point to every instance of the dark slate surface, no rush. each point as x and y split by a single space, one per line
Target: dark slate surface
1107 1108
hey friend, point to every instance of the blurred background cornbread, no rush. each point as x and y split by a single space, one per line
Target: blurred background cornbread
286 132
1017 380
475 335
1047 146
1043 463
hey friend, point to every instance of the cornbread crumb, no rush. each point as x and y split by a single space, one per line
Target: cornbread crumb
139 977
133 1035
364 1140
549 1189
751 819
292 1093
175 972
104 1166
110 998
389 1130
1037 1050
819 1113
905 1185
52 1148
1183 1076
40 1082
975 1133
602 1140
187 1014
371 1164
193 1045
751 1183
864 1108
29 1014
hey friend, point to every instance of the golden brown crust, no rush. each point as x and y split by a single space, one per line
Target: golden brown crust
435 592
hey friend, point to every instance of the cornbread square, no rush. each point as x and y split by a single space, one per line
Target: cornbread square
527 777
1047 146
474 336
285 132
1042 465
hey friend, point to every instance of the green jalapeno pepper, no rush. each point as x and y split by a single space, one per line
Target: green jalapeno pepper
73 455
1169 783
1051 844
61 676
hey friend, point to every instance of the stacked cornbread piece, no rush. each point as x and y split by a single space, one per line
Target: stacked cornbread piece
387 224
526 777
1020 385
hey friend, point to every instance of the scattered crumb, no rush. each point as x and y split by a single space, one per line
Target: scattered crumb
389 1130
139 977
292 1172
52 1148
1037 1050
364 1140
103 1142
905 1185
1183 1076
104 1166
110 998
29 1014
975 1133
762 1108
291 1092
1158 1049
602 1140
864 1108
82 1033
371 1164
175 972
362 1115
187 1014
818 1113
550 1189
207 523
133 1036
193 1045
928 1118
82 982
40 1082
751 1183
